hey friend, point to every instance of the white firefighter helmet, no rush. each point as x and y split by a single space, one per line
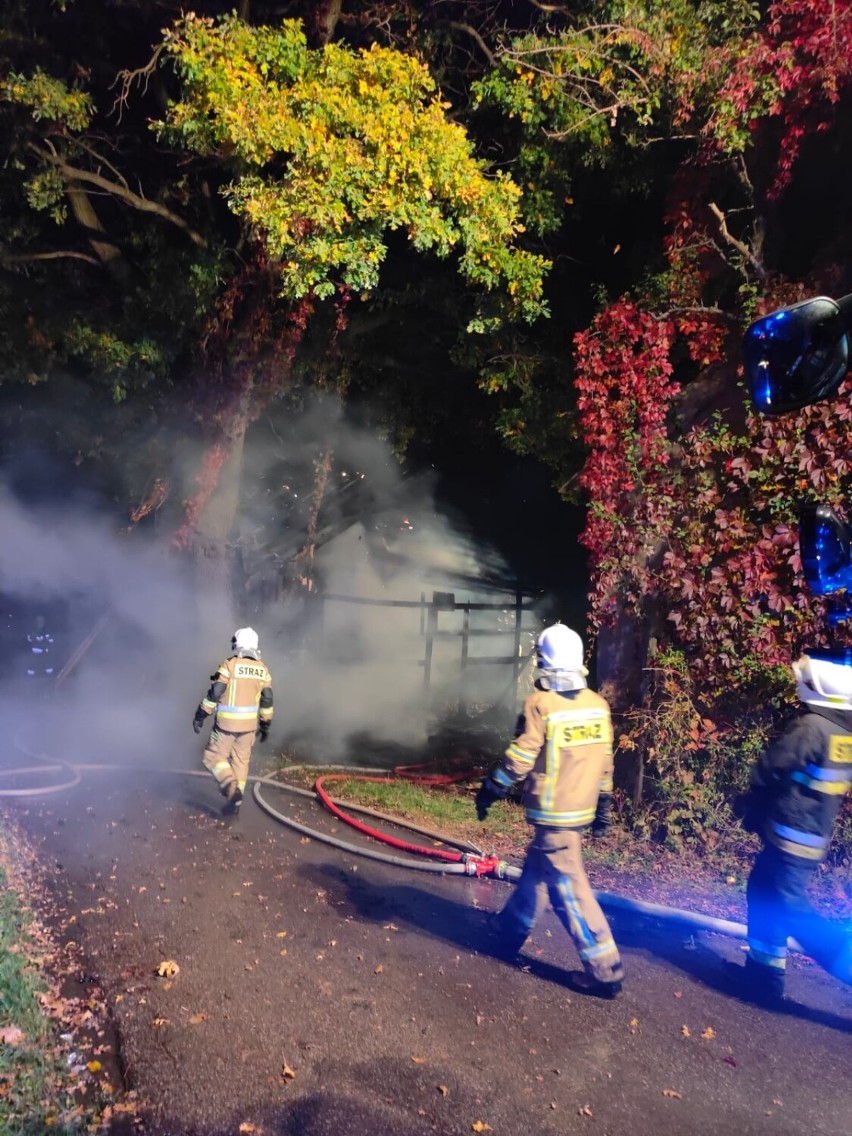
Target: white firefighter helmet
559 657
824 678
245 640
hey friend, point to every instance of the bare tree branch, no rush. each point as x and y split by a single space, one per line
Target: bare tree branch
474 35
24 257
699 309
549 7
758 224
141 75
98 157
73 175
741 247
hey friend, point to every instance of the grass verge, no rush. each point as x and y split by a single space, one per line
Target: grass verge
51 1080
712 881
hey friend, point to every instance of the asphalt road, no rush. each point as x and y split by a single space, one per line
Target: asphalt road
324 993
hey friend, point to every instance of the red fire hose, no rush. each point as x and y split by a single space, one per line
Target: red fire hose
474 865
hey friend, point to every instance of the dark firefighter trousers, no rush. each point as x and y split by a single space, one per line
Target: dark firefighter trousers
778 907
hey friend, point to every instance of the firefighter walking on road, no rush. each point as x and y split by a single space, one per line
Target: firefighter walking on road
241 699
563 753
40 648
796 791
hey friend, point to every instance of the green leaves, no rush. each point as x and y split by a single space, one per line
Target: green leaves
121 362
607 88
49 99
335 149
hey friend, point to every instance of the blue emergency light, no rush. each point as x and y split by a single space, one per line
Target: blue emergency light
798 355
826 550
794 357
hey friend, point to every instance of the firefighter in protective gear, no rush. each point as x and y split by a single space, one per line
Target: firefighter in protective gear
795 795
241 698
40 660
563 754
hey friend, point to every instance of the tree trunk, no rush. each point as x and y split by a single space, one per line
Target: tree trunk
625 649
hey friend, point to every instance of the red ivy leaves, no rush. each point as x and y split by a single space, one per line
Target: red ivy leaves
625 386
705 524
805 50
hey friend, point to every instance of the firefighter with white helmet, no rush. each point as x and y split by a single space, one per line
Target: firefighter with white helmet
241 699
795 795
563 754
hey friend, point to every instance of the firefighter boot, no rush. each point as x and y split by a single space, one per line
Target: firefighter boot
757 983
766 983
233 795
583 983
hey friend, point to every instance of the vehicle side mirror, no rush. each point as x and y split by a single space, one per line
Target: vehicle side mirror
798 355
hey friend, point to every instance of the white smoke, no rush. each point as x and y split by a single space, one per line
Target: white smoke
349 676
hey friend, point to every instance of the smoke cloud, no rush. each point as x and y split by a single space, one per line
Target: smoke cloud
354 680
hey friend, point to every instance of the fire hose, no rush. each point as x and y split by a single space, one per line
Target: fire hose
469 863
457 858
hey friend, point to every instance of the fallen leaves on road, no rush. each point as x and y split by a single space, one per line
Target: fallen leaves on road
685 1031
419 1060
585 1111
287 1074
443 1090
673 1093
709 1034
197 1019
168 969
480 1126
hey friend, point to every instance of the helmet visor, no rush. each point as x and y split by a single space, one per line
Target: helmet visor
796 356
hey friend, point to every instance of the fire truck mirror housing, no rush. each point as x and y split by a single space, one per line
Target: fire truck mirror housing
798 355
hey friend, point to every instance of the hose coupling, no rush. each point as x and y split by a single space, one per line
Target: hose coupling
479 865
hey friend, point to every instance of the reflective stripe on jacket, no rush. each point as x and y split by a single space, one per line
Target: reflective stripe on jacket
564 751
800 781
241 695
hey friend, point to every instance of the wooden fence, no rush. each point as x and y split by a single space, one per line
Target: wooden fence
445 602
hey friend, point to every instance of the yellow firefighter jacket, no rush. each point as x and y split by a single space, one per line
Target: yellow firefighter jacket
564 750
241 695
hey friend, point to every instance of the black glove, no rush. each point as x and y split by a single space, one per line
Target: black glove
487 795
750 809
198 722
603 818
262 732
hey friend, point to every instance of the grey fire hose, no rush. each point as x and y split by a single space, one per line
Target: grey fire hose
610 900
72 773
